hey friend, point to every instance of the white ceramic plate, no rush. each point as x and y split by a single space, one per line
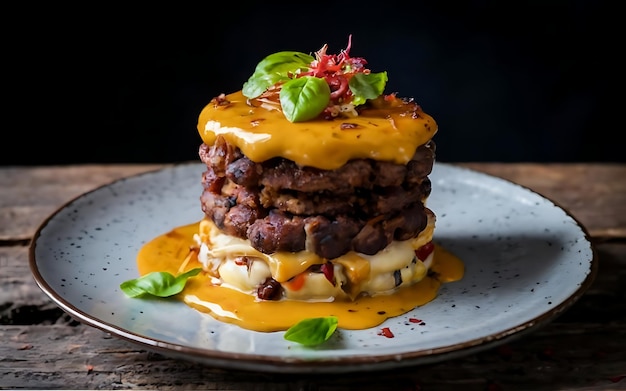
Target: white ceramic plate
526 259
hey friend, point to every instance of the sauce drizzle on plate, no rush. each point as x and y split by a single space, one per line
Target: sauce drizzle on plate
170 251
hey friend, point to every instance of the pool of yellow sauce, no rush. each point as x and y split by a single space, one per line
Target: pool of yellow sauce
170 251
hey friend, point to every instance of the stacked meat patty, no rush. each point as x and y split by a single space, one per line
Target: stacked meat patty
279 206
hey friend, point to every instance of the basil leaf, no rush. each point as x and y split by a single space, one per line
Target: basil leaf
367 86
258 83
304 98
312 331
274 68
282 62
161 284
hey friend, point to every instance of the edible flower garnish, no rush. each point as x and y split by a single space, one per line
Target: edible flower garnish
306 87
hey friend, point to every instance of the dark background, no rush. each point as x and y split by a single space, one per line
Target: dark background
505 81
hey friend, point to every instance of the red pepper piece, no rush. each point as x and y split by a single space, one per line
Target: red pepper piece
329 272
424 251
386 332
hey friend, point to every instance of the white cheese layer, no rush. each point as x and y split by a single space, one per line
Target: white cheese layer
235 263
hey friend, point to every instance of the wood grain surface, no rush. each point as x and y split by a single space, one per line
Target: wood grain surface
583 349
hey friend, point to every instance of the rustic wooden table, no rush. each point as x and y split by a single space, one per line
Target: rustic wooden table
583 349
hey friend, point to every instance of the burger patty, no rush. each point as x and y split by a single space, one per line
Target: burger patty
280 206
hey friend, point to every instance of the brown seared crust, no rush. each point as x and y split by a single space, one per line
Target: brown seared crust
279 206
366 204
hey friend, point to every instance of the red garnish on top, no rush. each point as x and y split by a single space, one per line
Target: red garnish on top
337 70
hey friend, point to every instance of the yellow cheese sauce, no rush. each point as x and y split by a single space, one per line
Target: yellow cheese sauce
391 131
171 253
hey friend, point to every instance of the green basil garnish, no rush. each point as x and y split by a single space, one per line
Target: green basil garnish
312 331
367 86
304 98
303 81
161 284
274 68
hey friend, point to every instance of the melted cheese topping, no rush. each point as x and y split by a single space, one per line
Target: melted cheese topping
390 131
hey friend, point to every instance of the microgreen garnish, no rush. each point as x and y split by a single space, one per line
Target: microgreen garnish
161 284
312 331
277 80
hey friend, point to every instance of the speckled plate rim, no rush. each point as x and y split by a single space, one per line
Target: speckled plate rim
321 361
